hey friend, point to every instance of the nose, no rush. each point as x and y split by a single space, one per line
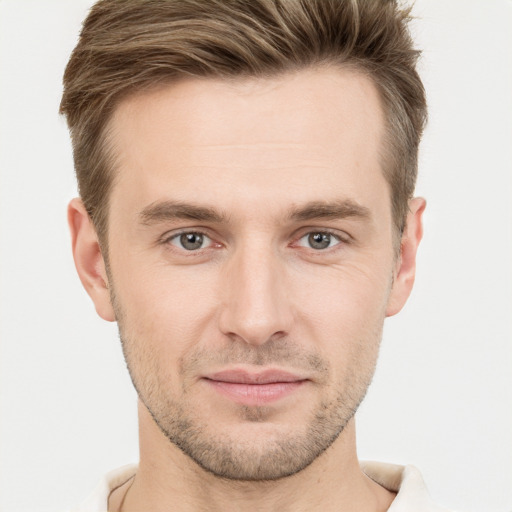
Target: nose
255 305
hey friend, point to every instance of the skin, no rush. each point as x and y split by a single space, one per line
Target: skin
274 161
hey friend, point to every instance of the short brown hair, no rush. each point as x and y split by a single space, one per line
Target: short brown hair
130 45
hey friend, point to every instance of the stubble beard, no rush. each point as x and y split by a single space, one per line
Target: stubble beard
272 455
264 459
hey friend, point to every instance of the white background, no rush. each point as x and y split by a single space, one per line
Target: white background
441 398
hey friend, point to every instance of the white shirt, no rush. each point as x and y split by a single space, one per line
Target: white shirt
406 481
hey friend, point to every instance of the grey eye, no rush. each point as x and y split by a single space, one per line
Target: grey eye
319 240
190 241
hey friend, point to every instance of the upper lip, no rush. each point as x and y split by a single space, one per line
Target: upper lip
240 376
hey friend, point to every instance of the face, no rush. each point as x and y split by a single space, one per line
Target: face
251 262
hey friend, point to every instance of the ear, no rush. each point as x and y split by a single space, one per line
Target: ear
405 270
89 261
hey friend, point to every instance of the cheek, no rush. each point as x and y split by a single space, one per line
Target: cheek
165 314
172 310
166 307
344 308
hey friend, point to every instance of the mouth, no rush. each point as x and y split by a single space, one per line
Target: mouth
254 388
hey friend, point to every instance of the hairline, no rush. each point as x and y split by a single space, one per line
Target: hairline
109 158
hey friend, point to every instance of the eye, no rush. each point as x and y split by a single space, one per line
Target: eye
190 241
319 240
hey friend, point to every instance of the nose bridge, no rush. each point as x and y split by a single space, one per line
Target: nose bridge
255 306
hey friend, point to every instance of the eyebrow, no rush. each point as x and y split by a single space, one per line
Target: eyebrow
329 210
162 211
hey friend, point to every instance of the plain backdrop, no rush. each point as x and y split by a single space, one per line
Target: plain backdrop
441 397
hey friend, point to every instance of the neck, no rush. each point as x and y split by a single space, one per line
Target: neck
167 479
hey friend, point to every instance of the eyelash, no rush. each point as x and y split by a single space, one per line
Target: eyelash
167 240
341 240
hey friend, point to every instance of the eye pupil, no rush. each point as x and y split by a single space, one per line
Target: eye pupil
319 240
191 241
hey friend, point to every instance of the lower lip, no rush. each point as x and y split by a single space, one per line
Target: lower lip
255 394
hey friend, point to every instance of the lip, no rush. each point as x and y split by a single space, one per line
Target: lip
241 376
254 388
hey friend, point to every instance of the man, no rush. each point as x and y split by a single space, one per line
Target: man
246 214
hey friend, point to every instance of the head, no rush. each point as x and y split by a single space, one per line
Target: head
130 47
246 171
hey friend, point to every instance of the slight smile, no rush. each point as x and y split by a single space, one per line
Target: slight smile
258 388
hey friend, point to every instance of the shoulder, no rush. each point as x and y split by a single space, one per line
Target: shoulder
97 501
407 482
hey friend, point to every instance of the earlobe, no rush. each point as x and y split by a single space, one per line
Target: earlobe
89 261
406 262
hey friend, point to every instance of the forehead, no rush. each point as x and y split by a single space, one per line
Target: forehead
316 131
